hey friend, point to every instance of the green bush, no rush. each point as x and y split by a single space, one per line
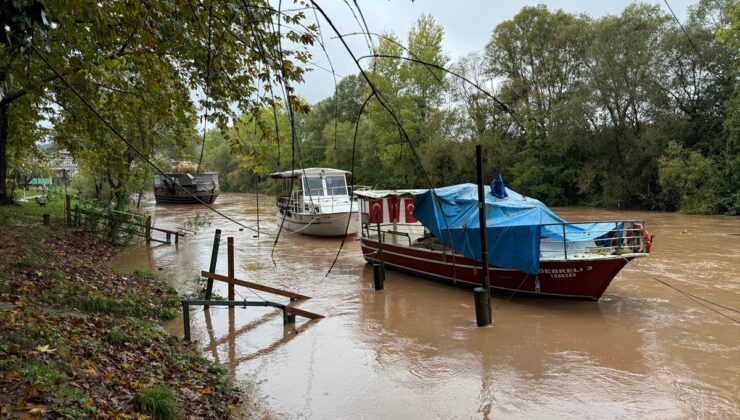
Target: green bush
688 180
158 402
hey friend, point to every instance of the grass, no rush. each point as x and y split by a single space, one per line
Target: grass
72 362
116 337
144 273
158 402
30 211
109 306
43 373
33 262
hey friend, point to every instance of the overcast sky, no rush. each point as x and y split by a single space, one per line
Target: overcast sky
467 24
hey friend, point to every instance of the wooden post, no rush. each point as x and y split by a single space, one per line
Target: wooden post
47 219
230 253
212 267
484 314
68 209
168 237
148 229
378 276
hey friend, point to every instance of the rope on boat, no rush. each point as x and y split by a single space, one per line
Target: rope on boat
514 292
693 297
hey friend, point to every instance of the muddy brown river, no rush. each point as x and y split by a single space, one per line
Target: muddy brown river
413 350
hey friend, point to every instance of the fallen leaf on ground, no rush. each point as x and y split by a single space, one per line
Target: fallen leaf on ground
45 349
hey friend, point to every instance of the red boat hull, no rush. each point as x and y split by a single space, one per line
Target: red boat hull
577 279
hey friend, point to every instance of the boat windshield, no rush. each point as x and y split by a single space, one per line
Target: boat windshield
313 185
336 185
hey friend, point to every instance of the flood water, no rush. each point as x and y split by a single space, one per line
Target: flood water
413 350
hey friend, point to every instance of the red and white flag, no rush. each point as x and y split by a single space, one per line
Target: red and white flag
408 205
375 211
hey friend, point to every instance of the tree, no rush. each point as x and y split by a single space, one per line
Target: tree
541 56
422 85
230 50
688 179
622 63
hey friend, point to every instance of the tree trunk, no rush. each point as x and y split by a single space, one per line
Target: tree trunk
5 198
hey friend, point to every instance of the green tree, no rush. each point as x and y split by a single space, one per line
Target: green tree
623 58
688 180
231 50
541 55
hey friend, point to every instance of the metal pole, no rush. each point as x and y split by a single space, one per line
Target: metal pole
186 319
380 271
380 236
230 253
483 241
212 267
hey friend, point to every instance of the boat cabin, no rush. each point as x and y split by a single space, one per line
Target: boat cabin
183 188
318 190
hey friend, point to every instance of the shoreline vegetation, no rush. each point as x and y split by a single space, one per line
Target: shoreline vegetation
78 340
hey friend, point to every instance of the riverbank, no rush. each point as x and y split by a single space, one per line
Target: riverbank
79 340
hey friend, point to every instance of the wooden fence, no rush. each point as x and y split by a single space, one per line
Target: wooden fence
115 222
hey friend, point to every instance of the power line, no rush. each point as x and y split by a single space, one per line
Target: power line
701 57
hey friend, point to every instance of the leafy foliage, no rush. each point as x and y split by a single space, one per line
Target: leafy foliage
138 64
621 111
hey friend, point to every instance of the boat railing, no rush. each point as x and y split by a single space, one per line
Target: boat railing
392 232
313 202
586 239
397 233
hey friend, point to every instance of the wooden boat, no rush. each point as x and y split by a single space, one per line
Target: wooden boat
183 188
574 260
318 204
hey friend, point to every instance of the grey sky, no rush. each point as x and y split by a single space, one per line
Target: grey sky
467 23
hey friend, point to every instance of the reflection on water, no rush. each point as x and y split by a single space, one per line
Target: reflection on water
413 350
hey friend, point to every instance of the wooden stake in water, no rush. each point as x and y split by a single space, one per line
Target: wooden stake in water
230 250
212 267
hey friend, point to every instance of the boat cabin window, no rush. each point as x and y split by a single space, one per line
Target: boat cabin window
312 185
336 185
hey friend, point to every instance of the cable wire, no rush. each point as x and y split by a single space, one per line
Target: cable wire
695 298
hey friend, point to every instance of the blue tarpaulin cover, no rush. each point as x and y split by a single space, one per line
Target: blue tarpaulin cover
514 225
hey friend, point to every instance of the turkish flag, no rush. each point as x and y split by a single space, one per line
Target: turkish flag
376 211
408 205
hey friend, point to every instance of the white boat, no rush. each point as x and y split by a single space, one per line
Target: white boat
318 204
